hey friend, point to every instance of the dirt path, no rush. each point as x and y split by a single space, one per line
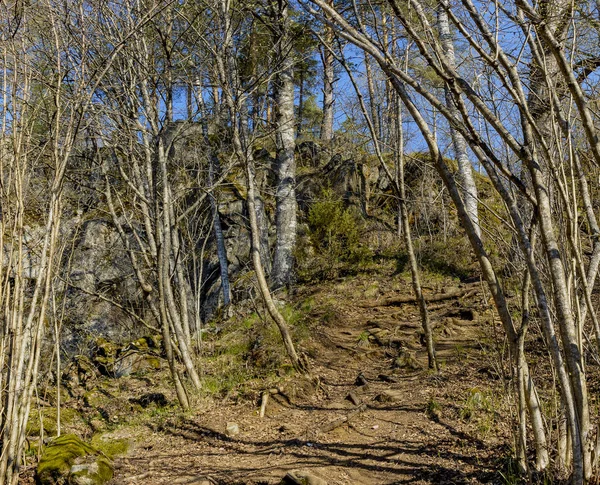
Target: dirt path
405 425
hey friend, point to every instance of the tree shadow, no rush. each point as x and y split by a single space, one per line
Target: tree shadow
227 459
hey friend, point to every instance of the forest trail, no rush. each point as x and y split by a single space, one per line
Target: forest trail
406 424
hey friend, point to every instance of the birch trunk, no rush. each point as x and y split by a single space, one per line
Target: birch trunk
285 165
465 168
327 58
213 167
545 82
234 99
373 105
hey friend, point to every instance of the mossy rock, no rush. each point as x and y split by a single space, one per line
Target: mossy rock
80 373
104 348
133 362
111 447
96 398
68 460
151 344
140 355
145 344
141 345
105 355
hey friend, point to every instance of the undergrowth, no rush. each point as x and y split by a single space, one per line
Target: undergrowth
247 353
333 243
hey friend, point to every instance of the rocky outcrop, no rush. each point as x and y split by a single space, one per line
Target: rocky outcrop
96 270
99 271
137 356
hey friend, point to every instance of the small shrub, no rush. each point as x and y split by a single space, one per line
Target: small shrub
334 235
433 409
476 401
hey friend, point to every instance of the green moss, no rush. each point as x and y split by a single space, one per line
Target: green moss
61 462
105 355
144 344
104 348
110 447
250 321
140 344
153 362
68 416
307 305
96 474
94 398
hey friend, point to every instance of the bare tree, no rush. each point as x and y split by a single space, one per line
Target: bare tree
48 83
327 59
147 205
235 99
480 116
465 169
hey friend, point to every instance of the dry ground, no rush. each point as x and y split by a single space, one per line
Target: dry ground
412 426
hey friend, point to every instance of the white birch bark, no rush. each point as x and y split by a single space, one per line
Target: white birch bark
465 168
327 59
234 99
285 164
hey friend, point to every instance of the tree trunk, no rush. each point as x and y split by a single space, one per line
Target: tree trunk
406 234
465 169
213 166
230 84
489 275
299 127
261 278
545 83
327 58
373 105
285 165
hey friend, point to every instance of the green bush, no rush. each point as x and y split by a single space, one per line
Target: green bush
334 234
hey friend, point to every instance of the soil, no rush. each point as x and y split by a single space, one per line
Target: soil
371 411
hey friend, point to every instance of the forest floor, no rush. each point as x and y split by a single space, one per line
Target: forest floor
406 424
371 411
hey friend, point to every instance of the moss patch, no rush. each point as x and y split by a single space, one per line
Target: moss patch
68 417
110 447
69 460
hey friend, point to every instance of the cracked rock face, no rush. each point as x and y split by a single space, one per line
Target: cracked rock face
99 271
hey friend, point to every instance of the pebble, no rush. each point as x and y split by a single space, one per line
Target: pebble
232 429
